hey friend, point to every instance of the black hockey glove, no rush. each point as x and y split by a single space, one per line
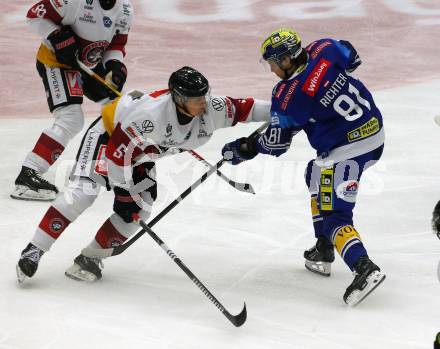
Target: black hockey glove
64 43
436 219
126 204
355 60
240 150
116 73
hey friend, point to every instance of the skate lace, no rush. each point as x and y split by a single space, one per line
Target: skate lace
38 176
33 254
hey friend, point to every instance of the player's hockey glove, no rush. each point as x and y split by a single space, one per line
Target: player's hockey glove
64 43
354 59
126 204
436 219
116 73
240 150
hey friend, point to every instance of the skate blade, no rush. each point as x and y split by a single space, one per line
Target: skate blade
373 280
75 272
20 275
24 193
320 268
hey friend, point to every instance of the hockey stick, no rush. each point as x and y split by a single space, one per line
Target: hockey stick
114 251
236 320
245 187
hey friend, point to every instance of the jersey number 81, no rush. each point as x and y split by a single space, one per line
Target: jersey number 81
345 105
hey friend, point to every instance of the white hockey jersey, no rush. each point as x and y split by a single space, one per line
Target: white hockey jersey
101 35
141 125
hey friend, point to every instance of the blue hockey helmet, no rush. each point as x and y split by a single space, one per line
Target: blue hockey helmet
282 42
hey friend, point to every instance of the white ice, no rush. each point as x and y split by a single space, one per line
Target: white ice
243 247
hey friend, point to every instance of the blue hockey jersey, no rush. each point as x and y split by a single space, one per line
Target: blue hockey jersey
335 110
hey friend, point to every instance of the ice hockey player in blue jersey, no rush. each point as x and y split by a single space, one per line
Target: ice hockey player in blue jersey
318 95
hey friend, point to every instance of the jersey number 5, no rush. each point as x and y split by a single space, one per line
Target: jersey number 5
347 107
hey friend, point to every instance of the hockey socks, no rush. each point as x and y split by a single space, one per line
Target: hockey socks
349 245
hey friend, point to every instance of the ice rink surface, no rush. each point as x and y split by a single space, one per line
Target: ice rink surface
242 247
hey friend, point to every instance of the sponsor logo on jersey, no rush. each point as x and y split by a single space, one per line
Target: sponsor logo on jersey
126 8
89 2
74 82
168 130
289 94
318 49
147 126
56 3
347 191
101 166
326 189
107 22
135 136
313 81
280 90
203 134
187 136
121 24
92 53
87 18
218 104
56 87
368 129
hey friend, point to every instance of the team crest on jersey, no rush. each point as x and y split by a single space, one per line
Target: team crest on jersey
347 191
56 226
92 53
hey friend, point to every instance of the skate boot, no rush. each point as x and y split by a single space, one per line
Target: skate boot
367 277
85 269
320 257
29 185
28 263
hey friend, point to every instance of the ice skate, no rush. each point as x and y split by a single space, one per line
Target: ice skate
28 263
85 269
320 257
29 185
367 277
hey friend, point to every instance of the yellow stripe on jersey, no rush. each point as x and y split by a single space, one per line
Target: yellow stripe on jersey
326 189
314 206
108 115
46 56
344 236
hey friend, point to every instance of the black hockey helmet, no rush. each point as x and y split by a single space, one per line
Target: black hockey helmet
107 4
187 82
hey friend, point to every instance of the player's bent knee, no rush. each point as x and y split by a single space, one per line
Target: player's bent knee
70 118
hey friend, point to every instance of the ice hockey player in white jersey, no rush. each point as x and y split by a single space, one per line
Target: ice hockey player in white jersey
119 151
96 32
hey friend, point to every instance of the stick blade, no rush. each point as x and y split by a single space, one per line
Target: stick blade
238 320
244 187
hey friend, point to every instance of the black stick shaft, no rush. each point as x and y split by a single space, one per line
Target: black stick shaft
235 320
